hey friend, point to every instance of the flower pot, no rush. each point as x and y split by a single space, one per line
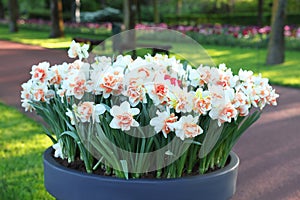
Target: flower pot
64 184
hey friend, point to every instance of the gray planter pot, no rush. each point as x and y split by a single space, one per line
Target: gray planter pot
65 184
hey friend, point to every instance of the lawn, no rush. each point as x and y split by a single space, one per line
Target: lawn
287 74
40 36
22 144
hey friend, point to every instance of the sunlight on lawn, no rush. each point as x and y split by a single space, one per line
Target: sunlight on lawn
22 145
48 43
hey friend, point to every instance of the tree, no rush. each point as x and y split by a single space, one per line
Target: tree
178 7
75 9
129 13
1 10
129 21
57 23
13 9
156 12
102 3
260 12
276 42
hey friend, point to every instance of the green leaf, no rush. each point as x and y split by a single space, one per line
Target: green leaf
212 136
125 168
47 132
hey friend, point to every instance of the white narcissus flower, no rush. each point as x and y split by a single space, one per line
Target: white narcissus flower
39 92
194 77
187 127
40 72
205 75
245 75
136 92
73 50
77 50
86 111
271 99
110 82
58 150
180 99
202 101
162 122
224 113
75 85
137 63
241 103
84 51
224 77
26 104
101 63
158 92
57 74
69 113
26 90
123 117
99 109
122 61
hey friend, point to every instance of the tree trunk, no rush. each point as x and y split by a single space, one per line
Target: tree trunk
102 3
155 12
1 10
129 21
75 9
178 7
139 11
260 5
276 42
57 22
13 9
129 13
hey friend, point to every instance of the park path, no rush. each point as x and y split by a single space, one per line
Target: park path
269 151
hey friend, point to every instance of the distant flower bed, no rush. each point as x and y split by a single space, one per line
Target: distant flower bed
228 35
40 22
217 34
235 31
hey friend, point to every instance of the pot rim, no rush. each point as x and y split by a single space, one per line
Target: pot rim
232 165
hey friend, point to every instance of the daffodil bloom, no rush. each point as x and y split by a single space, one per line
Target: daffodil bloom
224 113
40 72
162 122
180 99
158 92
77 50
202 101
58 150
187 127
123 117
86 112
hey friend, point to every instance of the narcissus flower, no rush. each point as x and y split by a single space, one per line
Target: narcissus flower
77 50
187 127
162 122
123 117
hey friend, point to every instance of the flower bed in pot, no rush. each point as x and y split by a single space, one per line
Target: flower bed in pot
145 117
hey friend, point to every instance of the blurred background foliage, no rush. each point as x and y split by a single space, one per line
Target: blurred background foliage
240 12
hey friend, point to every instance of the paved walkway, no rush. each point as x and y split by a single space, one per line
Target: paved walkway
269 151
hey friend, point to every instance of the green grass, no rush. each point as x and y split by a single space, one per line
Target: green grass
21 147
287 74
40 36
